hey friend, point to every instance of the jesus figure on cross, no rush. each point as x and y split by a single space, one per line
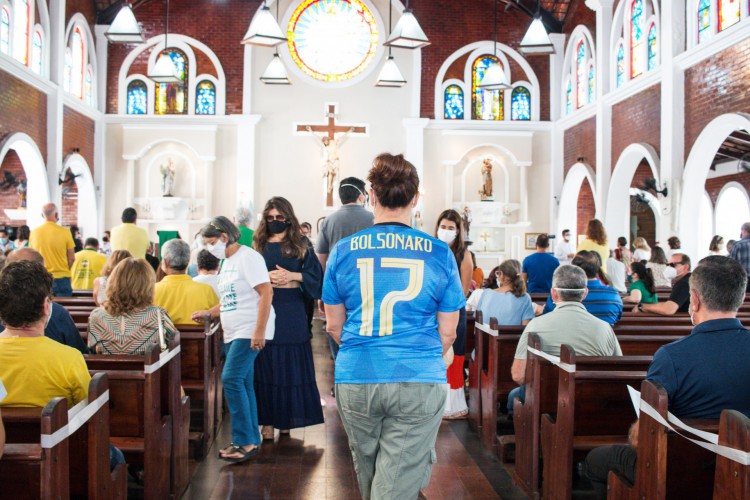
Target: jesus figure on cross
330 157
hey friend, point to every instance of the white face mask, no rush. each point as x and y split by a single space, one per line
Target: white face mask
446 235
218 249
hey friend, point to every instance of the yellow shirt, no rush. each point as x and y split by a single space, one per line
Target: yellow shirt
53 242
86 268
131 238
592 246
180 296
36 369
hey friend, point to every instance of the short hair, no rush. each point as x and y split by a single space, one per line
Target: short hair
570 282
622 241
24 233
129 215
24 286
25 254
565 231
243 216
684 259
176 254
673 242
91 242
394 180
640 242
350 189
221 225
746 227
542 241
720 282
130 287
207 261
307 225
589 262
5 231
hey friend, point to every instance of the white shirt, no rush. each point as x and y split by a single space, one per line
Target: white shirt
616 274
237 279
641 254
209 279
562 250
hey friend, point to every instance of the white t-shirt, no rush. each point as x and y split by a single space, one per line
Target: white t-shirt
209 279
237 279
616 274
562 250
641 254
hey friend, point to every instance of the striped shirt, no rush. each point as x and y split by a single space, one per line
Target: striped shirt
129 334
602 301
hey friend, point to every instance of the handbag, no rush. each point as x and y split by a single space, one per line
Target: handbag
271 324
162 339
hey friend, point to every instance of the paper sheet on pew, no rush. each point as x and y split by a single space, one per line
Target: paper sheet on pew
708 440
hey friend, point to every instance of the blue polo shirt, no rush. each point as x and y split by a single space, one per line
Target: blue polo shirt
707 371
602 301
539 268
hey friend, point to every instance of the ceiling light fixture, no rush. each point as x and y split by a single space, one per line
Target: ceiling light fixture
390 75
494 77
125 28
536 41
165 70
408 33
264 30
275 73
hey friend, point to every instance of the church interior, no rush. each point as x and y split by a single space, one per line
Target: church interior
633 112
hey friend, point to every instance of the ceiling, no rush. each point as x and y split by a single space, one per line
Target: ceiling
734 147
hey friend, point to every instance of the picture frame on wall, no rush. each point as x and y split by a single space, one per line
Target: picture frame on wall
530 239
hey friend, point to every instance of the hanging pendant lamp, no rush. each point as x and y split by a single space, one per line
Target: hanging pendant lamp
125 28
264 30
494 77
408 33
275 73
165 70
536 40
390 75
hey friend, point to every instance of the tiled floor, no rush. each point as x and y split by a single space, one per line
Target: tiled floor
315 462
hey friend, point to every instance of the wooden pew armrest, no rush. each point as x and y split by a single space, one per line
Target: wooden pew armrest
22 452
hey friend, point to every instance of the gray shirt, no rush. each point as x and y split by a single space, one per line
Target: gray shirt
570 323
345 221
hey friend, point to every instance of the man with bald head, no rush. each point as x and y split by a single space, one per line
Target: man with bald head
56 245
60 326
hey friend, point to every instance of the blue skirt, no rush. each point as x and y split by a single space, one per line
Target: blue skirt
285 386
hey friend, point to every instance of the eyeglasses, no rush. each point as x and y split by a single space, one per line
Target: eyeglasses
675 264
271 218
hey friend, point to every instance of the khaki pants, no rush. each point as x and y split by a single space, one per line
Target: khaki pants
392 430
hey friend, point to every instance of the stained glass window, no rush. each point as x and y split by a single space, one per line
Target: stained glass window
205 98
67 70
486 104
520 104
704 20
453 103
729 13
4 30
137 98
332 40
581 86
592 84
36 52
636 39
88 87
21 17
620 65
568 98
79 63
652 47
171 98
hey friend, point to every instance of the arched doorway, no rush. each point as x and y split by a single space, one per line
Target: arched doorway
20 156
643 216
577 200
79 196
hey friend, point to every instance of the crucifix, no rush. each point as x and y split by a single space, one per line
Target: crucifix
327 136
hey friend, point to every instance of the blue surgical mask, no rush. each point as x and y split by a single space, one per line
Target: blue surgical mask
3 241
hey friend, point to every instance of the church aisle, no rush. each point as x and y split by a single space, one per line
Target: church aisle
315 462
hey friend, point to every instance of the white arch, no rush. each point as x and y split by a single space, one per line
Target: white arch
155 163
697 168
37 187
88 208
653 204
470 165
618 33
618 195
79 20
579 32
145 149
477 153
568 210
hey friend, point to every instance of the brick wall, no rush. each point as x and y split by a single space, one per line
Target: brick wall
579 13
586 207
716 86
714 186
9 195
645 224
580 141
23 109
78 132
642 173
85 7
69 212
637 119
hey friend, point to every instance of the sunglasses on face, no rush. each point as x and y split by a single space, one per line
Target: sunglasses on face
674 264
271 218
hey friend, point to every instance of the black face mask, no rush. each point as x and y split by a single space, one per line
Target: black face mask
105 239
276 227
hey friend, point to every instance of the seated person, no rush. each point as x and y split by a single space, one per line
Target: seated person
679 299
617 273
642 290
87 266
208 270
100 283
177 293
509 304
703 373
128 322
35 369
538 267
602 301
60 326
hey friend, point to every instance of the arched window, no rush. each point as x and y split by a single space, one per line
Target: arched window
704 20
21 20
569 98
453 103
171 98
67 70
88 87
731 211
36 52
592 83
205 98
620 65
652 47
4 30
729 13
637 20
520 104
137 98
486 104
581 80
78 58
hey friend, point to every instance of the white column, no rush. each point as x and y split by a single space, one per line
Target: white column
55 151
524 186
557 150
415 150
130 184
245 166
208 208
556 62
247 80
102 46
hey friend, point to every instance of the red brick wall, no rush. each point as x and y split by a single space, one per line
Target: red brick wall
637 119
642 173
586 207
23 109
78 132
714 186
9 195
646 225
578 13
716 86
69 213
580 141
85 7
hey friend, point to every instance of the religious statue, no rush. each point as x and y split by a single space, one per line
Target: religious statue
167 178
416 221
486 192
331 158
21 189
466 218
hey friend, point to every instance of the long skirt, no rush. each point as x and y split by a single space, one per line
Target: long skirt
285 385
455 404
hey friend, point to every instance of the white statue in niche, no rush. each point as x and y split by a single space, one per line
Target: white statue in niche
167 178
486 192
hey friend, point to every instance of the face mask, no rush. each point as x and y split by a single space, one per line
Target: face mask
218 250
3 241
105 239
446 235
277 227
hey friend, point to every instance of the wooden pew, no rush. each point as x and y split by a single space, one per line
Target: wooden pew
593 409
75 301
474 361
732 479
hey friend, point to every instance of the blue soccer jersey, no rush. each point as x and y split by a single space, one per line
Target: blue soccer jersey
393 280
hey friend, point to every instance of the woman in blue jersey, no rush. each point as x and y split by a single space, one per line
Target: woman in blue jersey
392 296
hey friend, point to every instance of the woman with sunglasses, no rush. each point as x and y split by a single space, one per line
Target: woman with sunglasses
285 385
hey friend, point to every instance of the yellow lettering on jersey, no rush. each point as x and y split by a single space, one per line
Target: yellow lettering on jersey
391 241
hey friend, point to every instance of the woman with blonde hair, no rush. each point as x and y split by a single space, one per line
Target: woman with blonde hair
596 241
642 250
100 283
128 323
